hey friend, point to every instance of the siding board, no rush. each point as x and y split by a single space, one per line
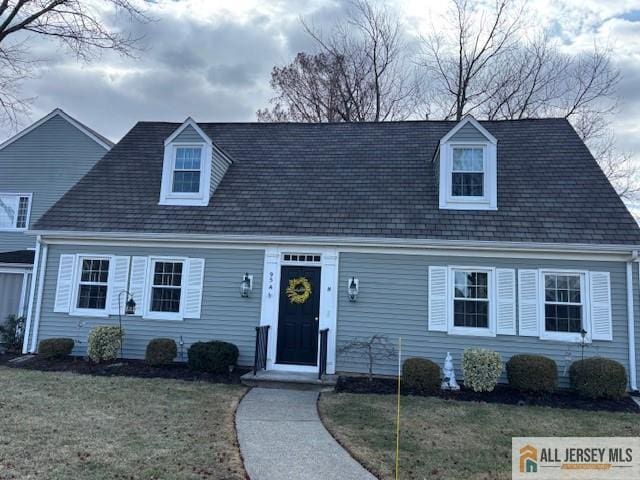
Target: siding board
393 301
47 162
225 314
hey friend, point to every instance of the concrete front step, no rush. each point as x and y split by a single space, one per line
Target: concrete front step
289 380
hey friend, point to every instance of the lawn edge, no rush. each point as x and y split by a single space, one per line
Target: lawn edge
346 448
235 430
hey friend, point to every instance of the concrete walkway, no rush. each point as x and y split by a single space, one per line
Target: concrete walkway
281 437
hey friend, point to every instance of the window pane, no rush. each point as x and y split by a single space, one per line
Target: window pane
165 300
471 313
23 212
92 296
563 318
467 184
95 271
188 158
471 284
467 160
185 181
167 274
8 211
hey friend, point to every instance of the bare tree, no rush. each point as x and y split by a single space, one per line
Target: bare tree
486 66
360 73
77 24
373 349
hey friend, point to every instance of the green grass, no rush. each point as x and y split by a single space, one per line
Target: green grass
62 425
449 439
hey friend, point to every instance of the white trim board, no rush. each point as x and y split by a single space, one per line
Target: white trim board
69 119
457 250
328 303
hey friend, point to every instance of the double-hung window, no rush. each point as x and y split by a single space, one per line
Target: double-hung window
14 211
187 169
467 172
471 302
564 305
92 286
166 294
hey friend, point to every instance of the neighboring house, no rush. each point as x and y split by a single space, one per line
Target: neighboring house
504 235
37 166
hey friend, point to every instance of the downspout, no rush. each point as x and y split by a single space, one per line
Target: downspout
32 292
36 319
631 330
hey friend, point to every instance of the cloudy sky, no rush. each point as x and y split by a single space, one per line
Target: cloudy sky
211 59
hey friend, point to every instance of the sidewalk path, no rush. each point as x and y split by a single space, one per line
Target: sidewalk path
281 437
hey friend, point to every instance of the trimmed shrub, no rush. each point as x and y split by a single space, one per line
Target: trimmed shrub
598 378
161 351
55 347
421 376
532 373
104 343
481 369
213 357
12 332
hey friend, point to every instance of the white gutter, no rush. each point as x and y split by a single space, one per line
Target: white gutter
36 320
32 290
339 241
631 328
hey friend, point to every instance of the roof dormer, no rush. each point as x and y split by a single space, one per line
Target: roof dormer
468 168
192 167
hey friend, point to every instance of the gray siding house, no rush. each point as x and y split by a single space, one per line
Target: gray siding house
37 166
499 234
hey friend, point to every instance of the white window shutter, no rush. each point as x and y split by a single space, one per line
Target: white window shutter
138 282
193 297
65 283
118 282
528 303
600 301
506 301
438 299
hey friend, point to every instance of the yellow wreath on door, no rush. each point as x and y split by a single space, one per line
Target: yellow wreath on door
299 290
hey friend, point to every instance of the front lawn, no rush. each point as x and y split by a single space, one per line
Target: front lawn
62 425
443 439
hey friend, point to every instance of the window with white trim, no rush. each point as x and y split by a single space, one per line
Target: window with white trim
187 166
564 304
471 297
14 211
166 286
93 284
467 172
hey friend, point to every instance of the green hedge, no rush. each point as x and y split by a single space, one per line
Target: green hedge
532 373
55 347
421 376
104 343
213 357
481 369
161 351
598 378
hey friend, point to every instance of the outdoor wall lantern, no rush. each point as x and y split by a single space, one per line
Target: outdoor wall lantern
352 289
246 285
129 309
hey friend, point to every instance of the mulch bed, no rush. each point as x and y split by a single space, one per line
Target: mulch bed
501 394
130 368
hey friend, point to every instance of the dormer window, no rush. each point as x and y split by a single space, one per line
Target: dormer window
467 172
468 168
186 171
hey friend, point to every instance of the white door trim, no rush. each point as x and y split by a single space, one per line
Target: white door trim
328 302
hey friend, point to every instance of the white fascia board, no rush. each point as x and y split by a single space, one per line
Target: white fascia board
475 123
355 242
65 116
189 122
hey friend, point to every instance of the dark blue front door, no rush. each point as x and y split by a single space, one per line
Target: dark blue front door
298 322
